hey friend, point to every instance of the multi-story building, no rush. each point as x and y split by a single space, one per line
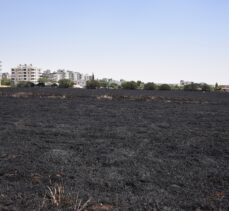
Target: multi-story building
78 78
46 73
60 74
87 77
69 75
5 76
224 88
0 71
25 73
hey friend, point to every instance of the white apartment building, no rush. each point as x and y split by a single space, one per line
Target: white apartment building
77 76
87 77
25 73
69 75
79 79
224 88
5 76
0 71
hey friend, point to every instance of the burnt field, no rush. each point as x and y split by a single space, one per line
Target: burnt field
123 150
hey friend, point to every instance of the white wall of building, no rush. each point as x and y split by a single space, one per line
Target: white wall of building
25 73
76 77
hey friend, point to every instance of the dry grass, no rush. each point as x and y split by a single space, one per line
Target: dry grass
104 97
56 198
22 94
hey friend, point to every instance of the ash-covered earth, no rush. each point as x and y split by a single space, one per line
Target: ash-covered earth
123 150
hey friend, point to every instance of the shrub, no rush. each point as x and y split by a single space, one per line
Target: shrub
65 83
164 87
192 87
129 85
140 85
41 84
6 82
217 87
103 83
54 85
176 87
92 84
114 86
206 87
23 84
150 86
43 79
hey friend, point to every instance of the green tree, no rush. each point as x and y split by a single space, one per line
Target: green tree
43 79
176 87
205 87
140 85
164 87
192 87
103 83
65 83
129 85
150 86
41 84
92 84
114 86
23 84
217 87
6 82
54 85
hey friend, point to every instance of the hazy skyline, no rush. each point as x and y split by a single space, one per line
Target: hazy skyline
148 40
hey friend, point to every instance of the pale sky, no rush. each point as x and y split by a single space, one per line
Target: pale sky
148 40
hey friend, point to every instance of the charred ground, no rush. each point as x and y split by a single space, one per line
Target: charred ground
129 150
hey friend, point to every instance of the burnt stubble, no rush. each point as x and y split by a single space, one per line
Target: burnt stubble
131 150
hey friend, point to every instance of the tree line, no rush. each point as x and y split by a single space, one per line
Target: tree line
130 85
133 85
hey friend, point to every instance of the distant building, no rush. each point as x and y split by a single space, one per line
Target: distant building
69 75
5 76
77 76
25 73
79 79
224 88
0 71
60 74
111 81
87 77
46 73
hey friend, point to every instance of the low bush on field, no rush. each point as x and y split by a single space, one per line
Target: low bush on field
150 86
197 87
23 84
41 84
65 83
5 82
192 87
92 84
164 87
206 88
129 85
